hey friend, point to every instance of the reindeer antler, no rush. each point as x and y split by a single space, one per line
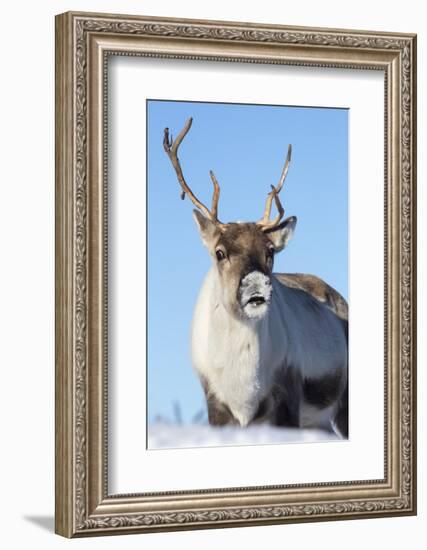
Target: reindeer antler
171 147
265 223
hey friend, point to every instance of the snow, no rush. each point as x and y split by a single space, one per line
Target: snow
174 436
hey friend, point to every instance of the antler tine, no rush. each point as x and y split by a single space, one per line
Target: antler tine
265 223
215 198
285 169
171 148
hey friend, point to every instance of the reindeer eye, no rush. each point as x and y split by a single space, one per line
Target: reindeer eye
270 251
220 255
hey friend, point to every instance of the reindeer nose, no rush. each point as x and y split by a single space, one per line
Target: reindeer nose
256 282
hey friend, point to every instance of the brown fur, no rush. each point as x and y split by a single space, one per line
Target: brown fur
317 288
246 249
240 238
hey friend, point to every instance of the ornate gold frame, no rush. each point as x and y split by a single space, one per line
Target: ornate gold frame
83 505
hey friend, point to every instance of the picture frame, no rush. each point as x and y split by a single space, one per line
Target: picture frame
84 505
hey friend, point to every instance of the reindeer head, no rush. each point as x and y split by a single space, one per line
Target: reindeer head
243 253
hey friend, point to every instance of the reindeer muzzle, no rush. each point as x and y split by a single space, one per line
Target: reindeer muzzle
254 294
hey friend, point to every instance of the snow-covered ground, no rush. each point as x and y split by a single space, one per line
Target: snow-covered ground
173 436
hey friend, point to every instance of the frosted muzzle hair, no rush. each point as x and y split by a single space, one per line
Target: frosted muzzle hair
255 294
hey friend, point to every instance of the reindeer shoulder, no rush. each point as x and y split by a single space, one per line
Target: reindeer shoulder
318 289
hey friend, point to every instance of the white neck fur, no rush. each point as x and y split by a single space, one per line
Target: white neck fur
234 355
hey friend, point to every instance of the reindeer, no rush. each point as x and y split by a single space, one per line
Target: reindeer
267 347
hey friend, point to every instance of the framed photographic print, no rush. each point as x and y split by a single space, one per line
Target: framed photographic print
235 274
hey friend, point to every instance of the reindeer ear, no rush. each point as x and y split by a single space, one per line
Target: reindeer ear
208 230
282 234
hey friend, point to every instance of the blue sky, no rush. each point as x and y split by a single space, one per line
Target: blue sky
245 145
